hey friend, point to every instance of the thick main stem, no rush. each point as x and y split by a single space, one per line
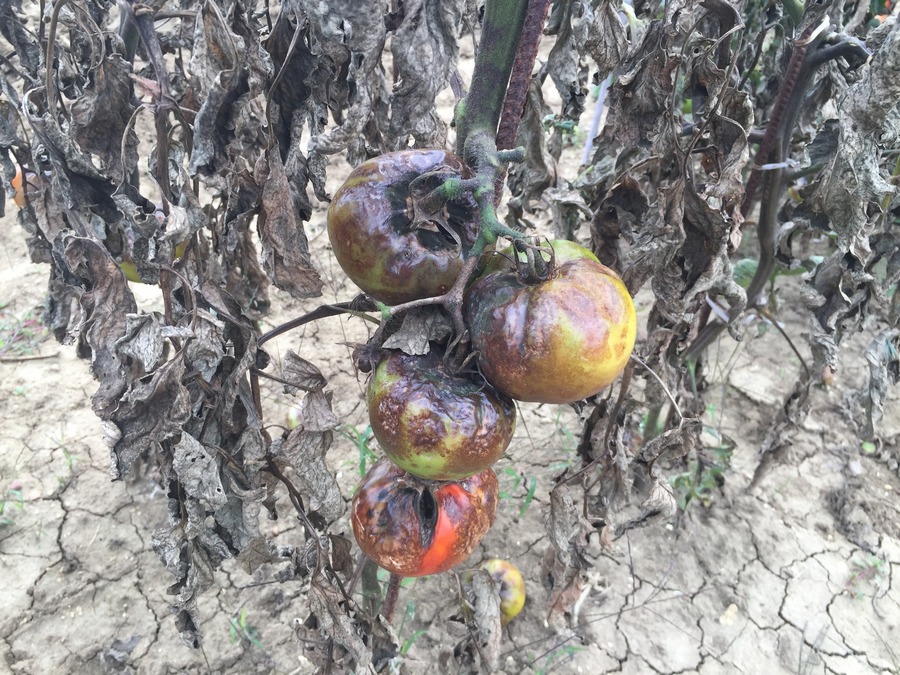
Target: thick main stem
481 109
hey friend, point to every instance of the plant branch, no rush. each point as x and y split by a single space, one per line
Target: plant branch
482 107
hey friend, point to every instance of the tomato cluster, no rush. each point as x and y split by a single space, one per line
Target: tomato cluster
546 324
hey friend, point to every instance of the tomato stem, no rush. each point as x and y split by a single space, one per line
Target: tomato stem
482 107
390 597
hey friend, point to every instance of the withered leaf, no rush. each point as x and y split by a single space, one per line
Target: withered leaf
564 62
420 325
658 506
333 621
564 585
101 115
145 340
567 528
484 598
305 452
527 180
198 471
349 36
105 302
148 414
883 357
285 250
425 50
301 374
606 41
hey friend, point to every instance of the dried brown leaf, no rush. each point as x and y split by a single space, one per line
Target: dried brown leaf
301 374
285 249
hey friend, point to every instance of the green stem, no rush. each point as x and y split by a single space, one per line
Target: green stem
482 107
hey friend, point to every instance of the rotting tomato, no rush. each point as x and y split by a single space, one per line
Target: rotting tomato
379 241
555 340
512 587
433 423
413 527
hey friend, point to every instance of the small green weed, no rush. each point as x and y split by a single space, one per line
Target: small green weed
409 615
705 474
13 498
19 335
554 659
241 631
512 482
869 572
360 437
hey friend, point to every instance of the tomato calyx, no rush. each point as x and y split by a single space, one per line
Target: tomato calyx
533 269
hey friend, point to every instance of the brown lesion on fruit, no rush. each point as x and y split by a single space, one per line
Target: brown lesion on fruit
424 431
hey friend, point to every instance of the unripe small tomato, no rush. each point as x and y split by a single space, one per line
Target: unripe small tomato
21 186
374 237
412 527
512 587
433 423
556 340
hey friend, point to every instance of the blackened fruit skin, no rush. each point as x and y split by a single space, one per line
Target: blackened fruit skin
435 424
371 233
410 533
555 341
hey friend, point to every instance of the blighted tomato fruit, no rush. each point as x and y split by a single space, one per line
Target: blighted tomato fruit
511 587
412 527
433 423
556 340
377 238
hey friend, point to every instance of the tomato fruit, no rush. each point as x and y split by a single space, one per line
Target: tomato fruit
374 237
413 527
435 424
512 587
556 340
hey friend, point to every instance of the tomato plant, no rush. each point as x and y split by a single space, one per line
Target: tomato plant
436 424
412 527
556 339
386 246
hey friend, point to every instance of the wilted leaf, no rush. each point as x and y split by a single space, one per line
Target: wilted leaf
333 621
198 472
659 505
420 325
101 115
883 358
305 452
483 596
301 374
425 50
285 250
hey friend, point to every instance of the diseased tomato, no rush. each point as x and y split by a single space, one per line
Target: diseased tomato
512 587
553 341
374 236
413 527
435 424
